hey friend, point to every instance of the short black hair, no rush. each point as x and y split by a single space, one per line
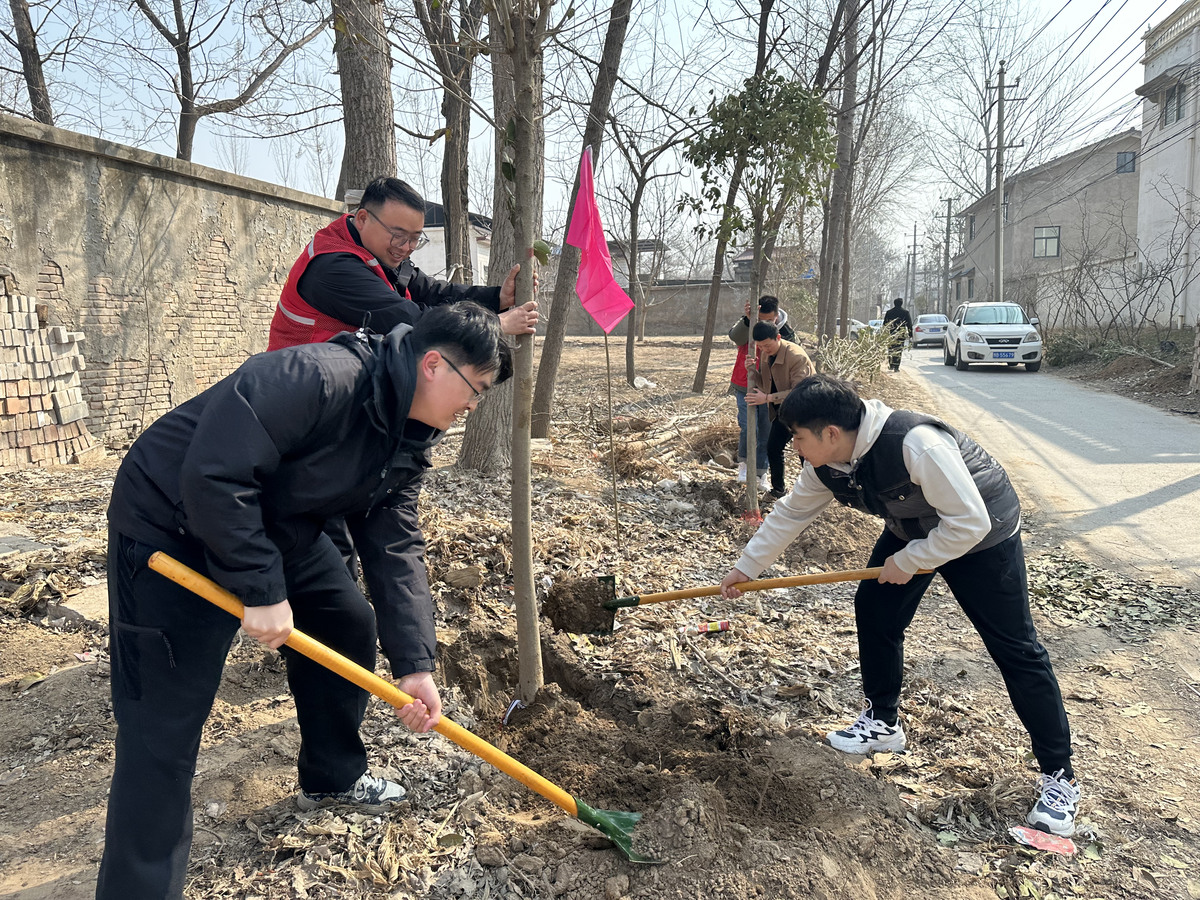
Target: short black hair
468 335
381 190
765 331
768 304
899 301
821 400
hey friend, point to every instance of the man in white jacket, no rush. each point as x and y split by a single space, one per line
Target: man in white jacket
948 508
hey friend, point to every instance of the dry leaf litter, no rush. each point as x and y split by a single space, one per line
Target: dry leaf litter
716 739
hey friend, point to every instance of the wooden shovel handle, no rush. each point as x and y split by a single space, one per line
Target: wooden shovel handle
368 681
763 585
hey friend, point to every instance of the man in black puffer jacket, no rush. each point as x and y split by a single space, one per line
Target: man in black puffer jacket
237 483
947 508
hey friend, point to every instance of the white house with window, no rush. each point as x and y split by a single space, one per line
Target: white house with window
1076 213
1167 212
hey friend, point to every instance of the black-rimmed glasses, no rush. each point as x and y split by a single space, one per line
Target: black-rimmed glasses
477 394
400 237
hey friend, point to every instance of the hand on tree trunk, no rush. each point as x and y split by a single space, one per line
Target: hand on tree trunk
508 290
520 319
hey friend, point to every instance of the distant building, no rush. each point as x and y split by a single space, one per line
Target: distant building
650 253
1167 164
788 264
1078 212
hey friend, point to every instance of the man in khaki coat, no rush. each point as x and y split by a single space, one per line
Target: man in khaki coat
782 366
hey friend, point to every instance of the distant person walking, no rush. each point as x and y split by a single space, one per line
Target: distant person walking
899 322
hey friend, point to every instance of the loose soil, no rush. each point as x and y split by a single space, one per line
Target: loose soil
717 740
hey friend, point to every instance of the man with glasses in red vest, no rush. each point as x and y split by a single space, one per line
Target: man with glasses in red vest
357 273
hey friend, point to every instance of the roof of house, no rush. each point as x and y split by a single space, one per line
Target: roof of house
1172 76
435 217
644 245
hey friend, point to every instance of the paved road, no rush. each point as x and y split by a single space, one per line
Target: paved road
1121 476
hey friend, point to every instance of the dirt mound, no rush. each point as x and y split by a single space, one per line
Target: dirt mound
1173 379
1128 365
575 605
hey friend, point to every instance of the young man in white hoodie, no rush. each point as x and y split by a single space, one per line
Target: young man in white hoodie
948 508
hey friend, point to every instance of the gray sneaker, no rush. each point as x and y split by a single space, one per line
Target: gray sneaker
369 794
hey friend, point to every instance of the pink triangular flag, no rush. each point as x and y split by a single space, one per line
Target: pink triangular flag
601 296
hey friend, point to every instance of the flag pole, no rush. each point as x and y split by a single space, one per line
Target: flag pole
612 445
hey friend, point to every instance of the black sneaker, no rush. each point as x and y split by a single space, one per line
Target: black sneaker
1054 811
369 794
868 735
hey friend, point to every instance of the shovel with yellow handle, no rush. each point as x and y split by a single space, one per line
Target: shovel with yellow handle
616 826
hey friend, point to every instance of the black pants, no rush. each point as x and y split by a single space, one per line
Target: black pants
777 445
895 351
168 650
990 587
339 533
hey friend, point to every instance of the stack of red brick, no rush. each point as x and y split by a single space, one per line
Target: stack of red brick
42 410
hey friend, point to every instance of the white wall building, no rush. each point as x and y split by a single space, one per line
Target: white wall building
1070 227
1167 208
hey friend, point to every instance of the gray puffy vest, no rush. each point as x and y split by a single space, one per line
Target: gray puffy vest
880 484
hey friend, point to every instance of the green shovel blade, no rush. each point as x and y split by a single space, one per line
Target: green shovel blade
617 826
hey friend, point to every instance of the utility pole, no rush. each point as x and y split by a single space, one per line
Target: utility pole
998 280
944 293
987 133
912 298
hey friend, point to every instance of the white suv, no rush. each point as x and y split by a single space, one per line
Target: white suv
992 333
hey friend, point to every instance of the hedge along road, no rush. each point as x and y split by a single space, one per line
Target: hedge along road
1122 477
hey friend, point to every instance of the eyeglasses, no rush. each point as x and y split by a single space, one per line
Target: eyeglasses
400 237
476 394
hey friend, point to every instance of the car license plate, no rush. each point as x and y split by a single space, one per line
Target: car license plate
998 355
935 331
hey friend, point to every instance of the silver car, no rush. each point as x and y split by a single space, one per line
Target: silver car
930 329
995 333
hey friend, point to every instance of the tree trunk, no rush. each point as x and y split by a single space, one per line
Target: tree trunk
568 262
714 290
31 62
527 226
457 112
188 120
735 184
454 55
365 75
486 446
635 286
845 298
839 192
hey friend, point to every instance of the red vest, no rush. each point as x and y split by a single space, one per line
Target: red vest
295 322
739 367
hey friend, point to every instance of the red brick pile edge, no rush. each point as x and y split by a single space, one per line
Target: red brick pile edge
42 410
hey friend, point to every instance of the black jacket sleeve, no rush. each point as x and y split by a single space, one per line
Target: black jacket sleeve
253 419
426 291
392 549
341 286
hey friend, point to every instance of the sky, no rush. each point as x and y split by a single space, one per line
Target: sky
1103 37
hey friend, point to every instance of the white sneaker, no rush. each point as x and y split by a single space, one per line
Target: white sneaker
1055 809
742 472
868 735
764 481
